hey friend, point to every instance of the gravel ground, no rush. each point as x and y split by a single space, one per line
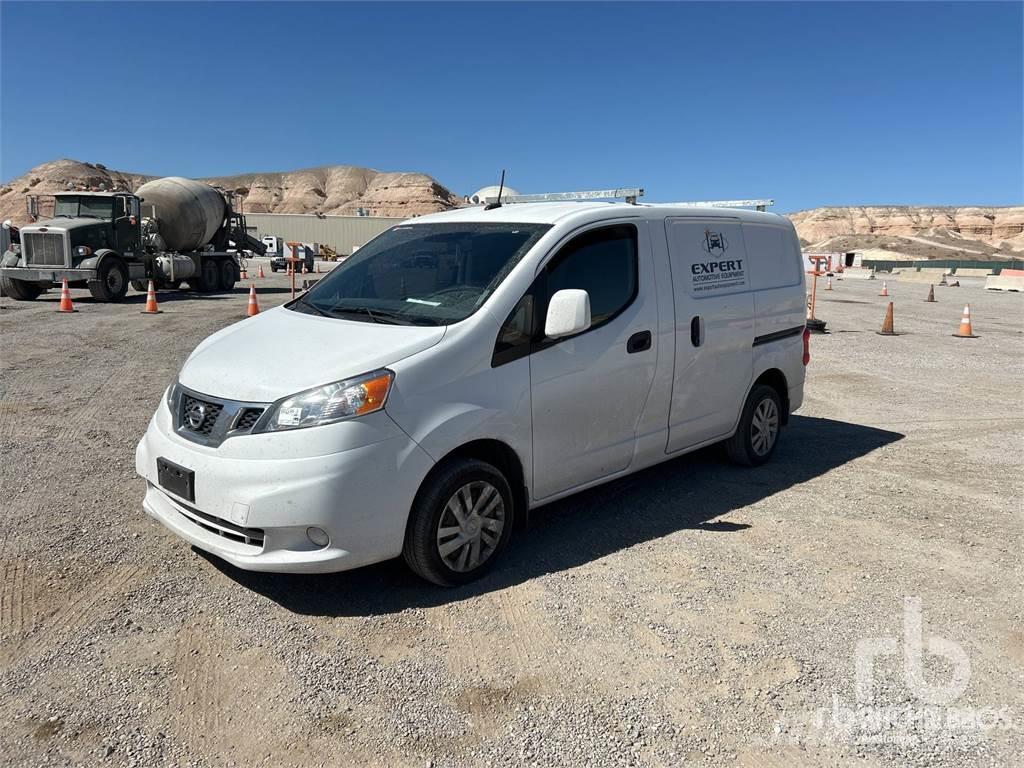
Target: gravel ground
695 613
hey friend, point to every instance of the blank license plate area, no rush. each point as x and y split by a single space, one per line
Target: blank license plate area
176 479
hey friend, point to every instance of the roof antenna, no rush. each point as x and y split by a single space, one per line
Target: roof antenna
501 188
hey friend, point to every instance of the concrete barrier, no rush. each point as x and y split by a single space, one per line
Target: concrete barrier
973 272
858 273
1005 282
920 277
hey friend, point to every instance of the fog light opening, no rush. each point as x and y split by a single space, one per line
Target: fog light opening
318 536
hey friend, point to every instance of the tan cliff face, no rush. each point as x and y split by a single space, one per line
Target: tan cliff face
334 189
994 227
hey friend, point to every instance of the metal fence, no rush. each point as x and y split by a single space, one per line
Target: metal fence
343 233
995 266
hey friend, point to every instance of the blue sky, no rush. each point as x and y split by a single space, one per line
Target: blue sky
809 103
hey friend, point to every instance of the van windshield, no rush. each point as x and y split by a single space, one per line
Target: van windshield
422 274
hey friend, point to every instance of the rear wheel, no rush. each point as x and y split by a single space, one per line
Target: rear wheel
460 522
758 432
20 290
229 275
208 279
111 283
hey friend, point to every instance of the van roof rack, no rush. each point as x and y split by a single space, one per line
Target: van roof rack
630 194
758 204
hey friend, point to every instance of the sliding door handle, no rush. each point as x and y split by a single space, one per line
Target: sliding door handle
696 331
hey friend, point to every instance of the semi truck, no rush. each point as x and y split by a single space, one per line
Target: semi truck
171 231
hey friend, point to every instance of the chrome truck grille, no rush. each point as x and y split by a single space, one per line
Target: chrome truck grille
43 249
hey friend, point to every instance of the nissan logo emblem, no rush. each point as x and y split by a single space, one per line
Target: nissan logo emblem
195 414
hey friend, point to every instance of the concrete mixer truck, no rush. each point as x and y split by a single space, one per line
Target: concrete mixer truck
171 231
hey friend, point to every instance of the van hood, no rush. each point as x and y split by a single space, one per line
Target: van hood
280 352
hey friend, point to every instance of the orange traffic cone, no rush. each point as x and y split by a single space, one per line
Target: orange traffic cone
828 285
887 323
885 289
65 298
965 331
931 293
318 267
260 273
244 275
254 307
151 307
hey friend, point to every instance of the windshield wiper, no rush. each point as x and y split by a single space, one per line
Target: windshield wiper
376 315
306 302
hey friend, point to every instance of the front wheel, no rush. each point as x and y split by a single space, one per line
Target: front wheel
460 522
758 432
20 290
112 281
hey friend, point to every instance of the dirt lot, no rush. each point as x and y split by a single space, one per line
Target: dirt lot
695 613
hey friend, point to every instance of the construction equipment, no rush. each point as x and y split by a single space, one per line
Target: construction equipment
327 253
170 230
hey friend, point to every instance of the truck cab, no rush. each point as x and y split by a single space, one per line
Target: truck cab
93 239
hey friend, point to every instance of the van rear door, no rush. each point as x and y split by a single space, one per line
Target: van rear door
714 328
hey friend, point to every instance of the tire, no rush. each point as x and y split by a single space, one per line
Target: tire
437 507
140 285
229 275
208 279
20 290
111 283
273 268
759 429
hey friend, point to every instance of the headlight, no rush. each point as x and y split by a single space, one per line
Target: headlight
83 250
329 403
171 396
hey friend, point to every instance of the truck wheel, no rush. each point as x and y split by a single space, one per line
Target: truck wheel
209 277
20 290
460 522
758 432
272 267
112 281
140 285
229 275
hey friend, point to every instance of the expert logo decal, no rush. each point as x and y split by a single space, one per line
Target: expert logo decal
718 274
715 243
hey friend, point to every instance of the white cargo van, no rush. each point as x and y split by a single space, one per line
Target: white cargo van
465 367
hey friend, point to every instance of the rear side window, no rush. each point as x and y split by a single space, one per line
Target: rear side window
603 262
770 257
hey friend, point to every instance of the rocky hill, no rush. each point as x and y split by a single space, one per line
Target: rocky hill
333 189
968 230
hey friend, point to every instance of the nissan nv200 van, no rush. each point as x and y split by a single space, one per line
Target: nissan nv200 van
465 367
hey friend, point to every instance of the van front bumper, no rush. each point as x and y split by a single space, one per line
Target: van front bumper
255 512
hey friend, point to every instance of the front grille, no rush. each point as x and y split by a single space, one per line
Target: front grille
44 249
199 416
251 536
247 418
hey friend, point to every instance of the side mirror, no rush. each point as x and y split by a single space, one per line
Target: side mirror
568 313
